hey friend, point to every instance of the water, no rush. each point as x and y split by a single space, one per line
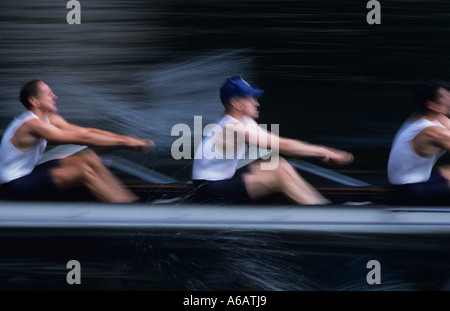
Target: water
221 260
140 67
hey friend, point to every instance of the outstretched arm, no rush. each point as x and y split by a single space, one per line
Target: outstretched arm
61 132
292 147
62 124
297 148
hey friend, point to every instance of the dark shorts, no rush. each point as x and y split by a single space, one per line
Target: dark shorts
231 190
37 185
435 191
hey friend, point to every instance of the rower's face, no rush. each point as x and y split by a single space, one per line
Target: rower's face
250 107
443 99
46 98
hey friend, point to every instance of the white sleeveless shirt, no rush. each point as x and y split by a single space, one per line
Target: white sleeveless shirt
404 165
209 163
15 163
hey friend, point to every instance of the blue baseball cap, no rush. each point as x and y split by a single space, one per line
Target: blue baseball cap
237 87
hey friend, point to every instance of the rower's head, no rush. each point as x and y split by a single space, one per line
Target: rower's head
433 96
238 94
37 94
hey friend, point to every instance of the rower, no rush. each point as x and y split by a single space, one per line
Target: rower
215 174
25 141
422 139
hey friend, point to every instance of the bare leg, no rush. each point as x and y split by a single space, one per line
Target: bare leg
115 185
86 169
284 179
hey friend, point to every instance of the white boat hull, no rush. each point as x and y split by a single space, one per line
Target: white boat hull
330 218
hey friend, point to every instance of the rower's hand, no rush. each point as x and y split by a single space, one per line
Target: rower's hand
339 157
142 145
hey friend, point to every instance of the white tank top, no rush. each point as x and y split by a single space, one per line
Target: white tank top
13 162
209 163
404 165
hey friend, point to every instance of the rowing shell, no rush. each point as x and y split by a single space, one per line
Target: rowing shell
330 218
173 205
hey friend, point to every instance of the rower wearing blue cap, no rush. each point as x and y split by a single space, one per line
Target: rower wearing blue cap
215 173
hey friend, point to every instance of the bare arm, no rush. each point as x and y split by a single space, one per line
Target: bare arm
62 124
62 132
431 138
255 135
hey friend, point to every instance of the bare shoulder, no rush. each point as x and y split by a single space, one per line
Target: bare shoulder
444 120
36 125
56 119
27 134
